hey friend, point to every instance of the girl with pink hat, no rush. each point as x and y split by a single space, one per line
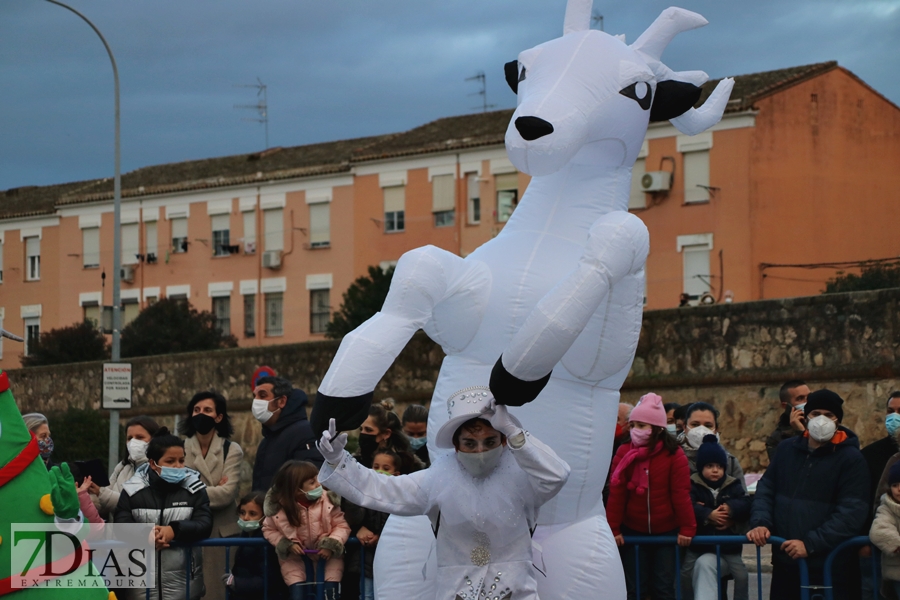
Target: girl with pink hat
650 494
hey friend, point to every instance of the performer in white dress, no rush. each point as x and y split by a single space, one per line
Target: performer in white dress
483 500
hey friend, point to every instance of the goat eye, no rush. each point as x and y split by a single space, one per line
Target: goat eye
640 92
522 74
511 71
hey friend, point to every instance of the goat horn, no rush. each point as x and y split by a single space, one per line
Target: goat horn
7 334
667 25
578 16
700 119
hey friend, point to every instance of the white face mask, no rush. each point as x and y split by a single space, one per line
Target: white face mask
821 429
260 410
137 450
695 436
480 464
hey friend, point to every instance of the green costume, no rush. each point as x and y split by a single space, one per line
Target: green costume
31 494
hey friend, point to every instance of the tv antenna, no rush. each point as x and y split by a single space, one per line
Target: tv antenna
597 18
479 76
261 106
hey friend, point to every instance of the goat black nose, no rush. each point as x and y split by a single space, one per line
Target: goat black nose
532 128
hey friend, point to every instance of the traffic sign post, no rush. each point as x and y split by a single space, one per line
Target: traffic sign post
116 386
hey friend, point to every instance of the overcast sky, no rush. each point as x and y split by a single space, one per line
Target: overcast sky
339 69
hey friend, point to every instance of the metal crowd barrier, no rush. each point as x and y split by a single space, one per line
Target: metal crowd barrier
711 540
250 542
827 578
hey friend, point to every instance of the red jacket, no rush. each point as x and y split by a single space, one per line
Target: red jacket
666 505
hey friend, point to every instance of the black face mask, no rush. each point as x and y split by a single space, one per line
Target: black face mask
367 443
203 424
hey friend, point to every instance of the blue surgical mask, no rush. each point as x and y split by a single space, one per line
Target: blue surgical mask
248 525
172 474
314 494
892 422
416 443
672 428
800 406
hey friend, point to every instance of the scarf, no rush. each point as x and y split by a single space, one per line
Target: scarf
640 476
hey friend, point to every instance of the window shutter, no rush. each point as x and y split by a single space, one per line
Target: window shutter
443 196
33 246
637 198
696 173
179 228
509 181
131 246
319 223
249 227
220 222
274 224
150 239
696 270
90 251
394 198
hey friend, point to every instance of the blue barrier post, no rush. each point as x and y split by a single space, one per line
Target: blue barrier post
827 579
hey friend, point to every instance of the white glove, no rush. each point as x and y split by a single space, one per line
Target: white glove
501 420
331 446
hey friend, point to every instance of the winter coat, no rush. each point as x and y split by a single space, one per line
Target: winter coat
249 573
483 524
877 455
184 506
290 438
731 493
817 496
108 498
667 504
358 516
222 498
732 469
885 534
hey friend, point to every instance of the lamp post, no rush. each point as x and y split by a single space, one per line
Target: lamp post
117 238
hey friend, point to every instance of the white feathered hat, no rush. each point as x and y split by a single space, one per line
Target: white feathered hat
463 405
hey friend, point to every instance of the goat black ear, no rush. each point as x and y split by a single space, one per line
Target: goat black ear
511 70
673 99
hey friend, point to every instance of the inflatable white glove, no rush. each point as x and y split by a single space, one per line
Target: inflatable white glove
502 422
331 446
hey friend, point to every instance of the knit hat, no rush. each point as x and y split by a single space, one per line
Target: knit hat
710 452
825 399
649 410
894 474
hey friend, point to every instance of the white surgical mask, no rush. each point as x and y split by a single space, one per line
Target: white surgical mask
480 464
260 410
137 450
821 429
695 436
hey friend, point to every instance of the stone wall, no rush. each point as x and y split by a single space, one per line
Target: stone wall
734 356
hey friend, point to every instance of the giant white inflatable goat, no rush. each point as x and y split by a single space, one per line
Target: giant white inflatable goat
549 310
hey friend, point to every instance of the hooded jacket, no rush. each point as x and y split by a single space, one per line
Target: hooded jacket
146 498
817 496
731 492
878 456
290 438
885 534
250 574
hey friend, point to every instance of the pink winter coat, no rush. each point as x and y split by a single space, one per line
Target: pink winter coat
322 527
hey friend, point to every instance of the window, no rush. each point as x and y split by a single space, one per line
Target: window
274 310
179 235
32 332
250 232
151 300
151 243
319 310
638 198
274 224
92 313
473 199
394 208
443 200
130 310
696 270
131 244
507 195
221 235
320 225
32 259
90 247
249 316
1 260
696 176
221 307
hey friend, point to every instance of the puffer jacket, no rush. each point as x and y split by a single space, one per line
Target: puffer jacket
250 574
357 517
108 498
290 438
885 533
731 492
323 526
184 506
732 468
817 496
665 506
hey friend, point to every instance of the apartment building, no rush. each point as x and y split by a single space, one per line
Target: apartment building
802 169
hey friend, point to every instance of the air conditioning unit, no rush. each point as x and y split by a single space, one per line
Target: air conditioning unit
656 181
271 259
249 247
127 273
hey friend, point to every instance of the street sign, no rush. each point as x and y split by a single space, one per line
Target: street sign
116 386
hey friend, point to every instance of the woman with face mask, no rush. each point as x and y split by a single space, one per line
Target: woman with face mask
170 496
138 432
702 419
382 430
415 427
40 427
209 451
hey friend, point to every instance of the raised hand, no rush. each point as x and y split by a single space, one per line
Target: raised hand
502 421
331 445
63 493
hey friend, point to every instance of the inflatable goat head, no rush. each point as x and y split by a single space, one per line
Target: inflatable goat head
587 97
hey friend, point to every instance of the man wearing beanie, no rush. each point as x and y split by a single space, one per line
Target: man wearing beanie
815 495
720 503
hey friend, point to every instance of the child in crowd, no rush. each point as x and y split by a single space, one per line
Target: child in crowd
164 492
885 534
246 580
650 495
719 503
301 520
